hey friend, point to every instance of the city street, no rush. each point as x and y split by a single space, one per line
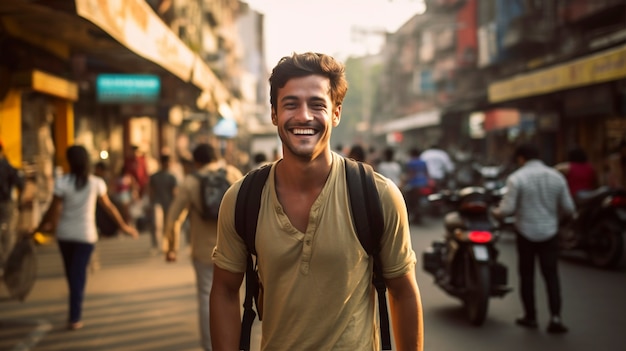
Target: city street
136 301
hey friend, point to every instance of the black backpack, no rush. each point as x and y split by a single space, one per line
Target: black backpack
364 204
213 185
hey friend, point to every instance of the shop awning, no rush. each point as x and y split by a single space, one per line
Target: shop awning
597 68
127 34
413 121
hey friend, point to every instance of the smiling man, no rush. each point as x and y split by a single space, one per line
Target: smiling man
315 274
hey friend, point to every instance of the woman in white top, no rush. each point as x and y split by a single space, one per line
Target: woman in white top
73 214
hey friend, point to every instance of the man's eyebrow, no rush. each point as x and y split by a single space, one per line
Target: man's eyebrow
294 97
289 97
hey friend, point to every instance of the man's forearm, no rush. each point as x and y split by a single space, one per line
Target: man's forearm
225 320
405 306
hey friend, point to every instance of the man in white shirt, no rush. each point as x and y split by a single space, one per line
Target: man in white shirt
439 165
538 195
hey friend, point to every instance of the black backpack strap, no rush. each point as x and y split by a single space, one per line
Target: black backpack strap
248 204
246 216
362 190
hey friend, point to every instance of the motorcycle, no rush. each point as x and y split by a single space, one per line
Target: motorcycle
492 178
597 227
465 264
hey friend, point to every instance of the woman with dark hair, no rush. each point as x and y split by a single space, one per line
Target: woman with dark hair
580 174
72 215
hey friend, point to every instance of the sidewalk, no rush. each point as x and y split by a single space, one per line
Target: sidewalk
135 301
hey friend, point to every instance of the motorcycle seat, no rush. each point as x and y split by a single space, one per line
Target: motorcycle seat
585 196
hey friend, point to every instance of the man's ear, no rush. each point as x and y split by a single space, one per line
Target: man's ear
336 115
274 120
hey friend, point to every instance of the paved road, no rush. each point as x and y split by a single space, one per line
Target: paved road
136 301
594 308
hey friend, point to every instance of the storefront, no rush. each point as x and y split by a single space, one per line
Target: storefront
583 98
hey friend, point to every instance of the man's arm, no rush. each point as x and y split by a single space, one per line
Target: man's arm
405 306
509 201
225 310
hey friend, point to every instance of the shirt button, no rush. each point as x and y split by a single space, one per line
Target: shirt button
308 243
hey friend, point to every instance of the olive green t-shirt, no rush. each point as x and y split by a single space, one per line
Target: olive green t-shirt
317 284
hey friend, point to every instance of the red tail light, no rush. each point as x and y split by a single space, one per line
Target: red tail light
480 237
618 201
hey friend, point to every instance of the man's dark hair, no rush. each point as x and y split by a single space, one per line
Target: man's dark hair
310 63
389 153
526 151
164 159
260 157
357 153
415 152
204 153
577 155
100 166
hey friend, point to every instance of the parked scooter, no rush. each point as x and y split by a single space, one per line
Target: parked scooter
465 264
597 227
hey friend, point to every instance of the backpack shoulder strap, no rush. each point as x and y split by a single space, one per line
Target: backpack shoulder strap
248 204
362 191
246 217
365 203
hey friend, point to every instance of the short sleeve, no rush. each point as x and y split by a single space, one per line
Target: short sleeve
230 251
397 254
60 187
101 185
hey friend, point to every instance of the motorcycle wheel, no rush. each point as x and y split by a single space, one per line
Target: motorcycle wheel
605 248
478 282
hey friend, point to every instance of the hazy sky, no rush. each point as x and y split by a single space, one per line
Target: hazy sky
326 25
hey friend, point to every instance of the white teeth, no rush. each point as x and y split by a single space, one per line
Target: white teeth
304 131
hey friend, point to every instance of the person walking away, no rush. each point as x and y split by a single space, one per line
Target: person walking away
416 184
260 159
10 180
203 232
72 216
163 187
137 166
538 196
126 193
316 276
440 166
580 174
357 153
389 167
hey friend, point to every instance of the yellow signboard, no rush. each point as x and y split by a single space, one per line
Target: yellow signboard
602 67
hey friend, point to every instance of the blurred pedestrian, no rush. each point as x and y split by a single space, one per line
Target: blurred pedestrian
580 174
440 166
260 159
315 276
357 153
71 216
538 196
126 194
390 167
10 180
203 232
136 165
163 187
416 185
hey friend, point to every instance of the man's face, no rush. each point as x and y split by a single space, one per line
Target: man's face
304 115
